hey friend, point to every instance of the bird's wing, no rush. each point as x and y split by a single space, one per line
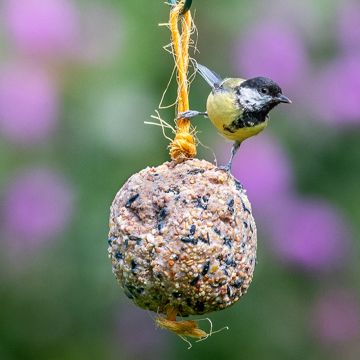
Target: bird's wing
213 79
231 83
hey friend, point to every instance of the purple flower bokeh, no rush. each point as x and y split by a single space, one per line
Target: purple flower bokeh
336 94
348 29
263 168
138 336
273 50
37 207
28 104
42 27
336 317
309 234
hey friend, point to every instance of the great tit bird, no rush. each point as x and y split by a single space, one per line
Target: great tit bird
238 108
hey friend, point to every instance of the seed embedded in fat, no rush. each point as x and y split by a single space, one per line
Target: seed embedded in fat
160 274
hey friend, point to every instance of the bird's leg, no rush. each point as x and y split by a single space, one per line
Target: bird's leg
234 150
190 114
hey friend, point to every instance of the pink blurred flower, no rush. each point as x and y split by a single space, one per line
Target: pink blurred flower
28 104
273 50
42 27
37 208
336 317
348 31
336 94
262 167
309 234
138 336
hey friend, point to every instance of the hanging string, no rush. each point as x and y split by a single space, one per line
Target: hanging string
183 146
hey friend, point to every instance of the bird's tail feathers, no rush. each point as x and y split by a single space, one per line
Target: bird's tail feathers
213 79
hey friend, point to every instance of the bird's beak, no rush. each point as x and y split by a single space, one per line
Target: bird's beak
284 99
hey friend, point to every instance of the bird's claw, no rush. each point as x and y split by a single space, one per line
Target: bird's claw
226 168
190 114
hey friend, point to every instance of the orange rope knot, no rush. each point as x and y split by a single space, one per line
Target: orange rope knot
183 146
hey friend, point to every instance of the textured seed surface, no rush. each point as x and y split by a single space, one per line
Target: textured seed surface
182 236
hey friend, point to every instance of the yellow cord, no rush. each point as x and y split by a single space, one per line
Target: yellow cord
183 146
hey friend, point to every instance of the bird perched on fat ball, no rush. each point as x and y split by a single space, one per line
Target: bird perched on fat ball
238 108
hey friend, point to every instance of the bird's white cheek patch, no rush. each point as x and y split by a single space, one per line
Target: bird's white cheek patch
252 100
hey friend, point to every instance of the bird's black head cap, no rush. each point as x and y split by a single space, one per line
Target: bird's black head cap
264 86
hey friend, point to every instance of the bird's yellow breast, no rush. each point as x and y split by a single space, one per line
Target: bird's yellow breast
245 132
223 108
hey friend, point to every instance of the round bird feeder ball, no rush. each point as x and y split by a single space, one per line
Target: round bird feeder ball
182 236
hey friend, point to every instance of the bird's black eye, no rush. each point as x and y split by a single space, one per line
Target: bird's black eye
264 91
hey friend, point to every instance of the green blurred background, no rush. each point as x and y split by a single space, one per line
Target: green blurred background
77 81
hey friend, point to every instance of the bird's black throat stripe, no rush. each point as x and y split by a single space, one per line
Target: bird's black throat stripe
246 120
